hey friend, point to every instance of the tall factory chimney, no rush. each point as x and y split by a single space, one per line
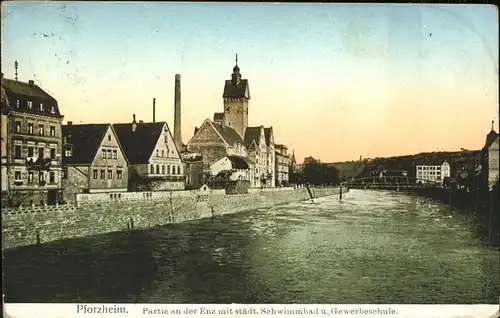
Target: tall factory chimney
177 112
154 110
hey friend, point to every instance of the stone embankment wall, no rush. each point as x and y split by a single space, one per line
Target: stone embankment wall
103 213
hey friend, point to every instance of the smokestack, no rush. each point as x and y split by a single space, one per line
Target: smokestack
134 124
154 111
177 112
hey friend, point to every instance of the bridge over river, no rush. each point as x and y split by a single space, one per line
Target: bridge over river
390 183
372 247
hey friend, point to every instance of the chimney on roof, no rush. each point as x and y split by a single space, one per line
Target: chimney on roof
70 123
31 82
134 124
177 112
16 65
154 110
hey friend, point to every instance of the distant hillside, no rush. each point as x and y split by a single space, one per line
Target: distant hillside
349 169
367 167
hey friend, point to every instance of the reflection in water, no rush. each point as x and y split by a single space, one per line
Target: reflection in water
372 247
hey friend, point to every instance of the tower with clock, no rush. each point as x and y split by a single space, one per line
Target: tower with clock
236 96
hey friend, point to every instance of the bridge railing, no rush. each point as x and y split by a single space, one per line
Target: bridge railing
391 180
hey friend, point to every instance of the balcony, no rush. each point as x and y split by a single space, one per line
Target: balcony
38 163
168 177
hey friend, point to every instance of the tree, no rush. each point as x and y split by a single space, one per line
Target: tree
318 173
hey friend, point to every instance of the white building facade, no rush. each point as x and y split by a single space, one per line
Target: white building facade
433 173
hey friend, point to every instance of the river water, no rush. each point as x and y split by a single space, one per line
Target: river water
372 247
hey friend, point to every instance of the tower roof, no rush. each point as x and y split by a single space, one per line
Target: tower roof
236 87
233 90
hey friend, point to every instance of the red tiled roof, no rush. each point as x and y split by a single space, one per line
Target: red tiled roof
218 117
238 162
139 145
267 133
30 90
490 138
228 133
251 134
85 141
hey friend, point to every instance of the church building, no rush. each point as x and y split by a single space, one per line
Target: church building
228 134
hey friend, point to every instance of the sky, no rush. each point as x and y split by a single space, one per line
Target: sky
335 81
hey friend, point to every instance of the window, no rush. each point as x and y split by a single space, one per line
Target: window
178 169
110 174
41 107
52 109
157 169
30 104
152 169
110 154
163 153
166 139
17 152
31 151
109 137
41 130
52 177
104 154
41 176
17 176
157 152
30 128
52 153
65 173
18 127
119 174
30 177
95 174
68 152
115 154
162 169
103 174
52 131
17 103
168 169
41 152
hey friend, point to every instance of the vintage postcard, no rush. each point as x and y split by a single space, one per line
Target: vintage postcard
260 159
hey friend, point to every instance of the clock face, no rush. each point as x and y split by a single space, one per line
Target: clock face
228 110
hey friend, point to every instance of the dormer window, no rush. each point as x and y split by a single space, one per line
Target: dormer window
41 107
30 104
52 110
68 151
17 103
